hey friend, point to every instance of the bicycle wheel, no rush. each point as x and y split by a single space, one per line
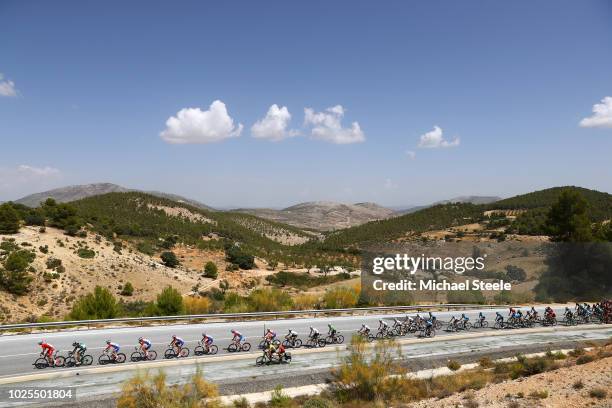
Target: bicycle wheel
297 343
120 358
371 338
260 361
86 360
321 342
184 352
286 344
41 363
232 348
70 361
59 361
213 349
246 346
135 356
467 326
169 353
339 339
152 354
484 324
198 351
380 335
104 359
262 344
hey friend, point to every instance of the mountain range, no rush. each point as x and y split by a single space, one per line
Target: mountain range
316 215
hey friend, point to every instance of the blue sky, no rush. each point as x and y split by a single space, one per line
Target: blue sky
87 89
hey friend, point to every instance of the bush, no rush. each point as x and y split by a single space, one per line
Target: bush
169 259
366 375
598 393
53 263
340 297
515 273
236 256
128 289
196 305
170 302
318 402
485 362
14 277
586 358
145 391
101 304
210 270
268 300
542 394
279 399
453 365
471 296
86 253
9 219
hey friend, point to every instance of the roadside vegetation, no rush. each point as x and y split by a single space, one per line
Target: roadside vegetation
372 376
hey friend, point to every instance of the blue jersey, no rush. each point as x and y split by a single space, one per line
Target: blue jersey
178 341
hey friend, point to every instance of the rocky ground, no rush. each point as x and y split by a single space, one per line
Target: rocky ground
568 387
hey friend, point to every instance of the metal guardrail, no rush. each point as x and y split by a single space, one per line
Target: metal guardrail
222 316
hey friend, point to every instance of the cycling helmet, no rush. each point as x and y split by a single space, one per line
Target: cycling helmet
380 321
108 341
40 343
203 334
75 344
311 328
174 336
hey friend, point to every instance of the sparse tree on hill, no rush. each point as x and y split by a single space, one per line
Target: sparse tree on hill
170 302
169 259
101 304
9 219
210 270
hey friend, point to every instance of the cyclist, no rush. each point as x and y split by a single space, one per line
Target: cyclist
314 333
511 312
428 326
568 313
331 330
291 336
498 317
47 351
382 326
280 352
237 337
113 348
270 335
207 341
270 350
145 345
177 344
365 330
432 317
481 317
464 319
78 351
534 313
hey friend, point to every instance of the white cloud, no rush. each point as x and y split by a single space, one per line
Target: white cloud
7 88
42 172
327 126
602 115
274 126
411 154
23 178
435 139
192 125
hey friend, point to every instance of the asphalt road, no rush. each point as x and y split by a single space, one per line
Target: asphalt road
18 352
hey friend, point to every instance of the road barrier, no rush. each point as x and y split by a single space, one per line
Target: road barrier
228 316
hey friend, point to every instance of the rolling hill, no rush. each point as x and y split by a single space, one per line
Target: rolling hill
324 215
77 192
